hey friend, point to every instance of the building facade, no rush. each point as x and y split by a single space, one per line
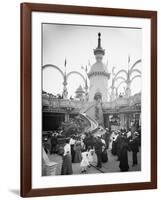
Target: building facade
122 112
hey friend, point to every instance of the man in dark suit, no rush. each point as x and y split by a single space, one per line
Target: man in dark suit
134 145
98 149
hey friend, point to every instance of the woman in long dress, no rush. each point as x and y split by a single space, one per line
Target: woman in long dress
72 145
124 166
67 162
78 156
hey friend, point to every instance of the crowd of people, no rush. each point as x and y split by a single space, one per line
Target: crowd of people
123 141
92 150
81 150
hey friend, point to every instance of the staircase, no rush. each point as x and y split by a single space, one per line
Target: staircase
88 112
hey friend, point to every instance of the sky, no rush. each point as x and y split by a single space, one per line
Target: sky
75 43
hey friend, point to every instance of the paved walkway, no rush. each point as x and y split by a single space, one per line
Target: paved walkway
111 166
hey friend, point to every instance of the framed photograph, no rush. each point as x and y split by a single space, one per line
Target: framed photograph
88 99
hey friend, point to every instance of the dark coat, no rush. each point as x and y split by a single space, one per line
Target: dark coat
124 166
98 145
134 145
104 156
54 140
114 148
107 138
118 144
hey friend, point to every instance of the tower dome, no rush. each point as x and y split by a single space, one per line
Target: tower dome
98 68
79 92
99 49
98 74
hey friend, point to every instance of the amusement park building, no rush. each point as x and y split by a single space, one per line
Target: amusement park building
120 112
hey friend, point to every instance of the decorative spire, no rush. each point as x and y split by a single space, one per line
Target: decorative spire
99 40
128 58
99 49
128 62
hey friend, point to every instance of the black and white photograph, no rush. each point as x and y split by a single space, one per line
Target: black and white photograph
91 99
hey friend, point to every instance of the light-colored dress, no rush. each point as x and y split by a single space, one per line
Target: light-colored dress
91 156
67 149
85 161
113 137
67 163
129 134
72 141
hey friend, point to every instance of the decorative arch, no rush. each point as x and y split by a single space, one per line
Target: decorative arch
135 70
78 73
137 76
120 77
137 62
54 66
122 70
120 84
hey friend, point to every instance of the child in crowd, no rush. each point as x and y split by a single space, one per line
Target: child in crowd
85 162
90 156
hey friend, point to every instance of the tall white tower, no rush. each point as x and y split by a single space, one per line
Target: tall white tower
98 75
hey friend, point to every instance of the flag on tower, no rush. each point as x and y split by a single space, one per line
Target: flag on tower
65 63
128 59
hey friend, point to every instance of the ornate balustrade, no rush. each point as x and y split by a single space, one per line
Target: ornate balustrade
51 103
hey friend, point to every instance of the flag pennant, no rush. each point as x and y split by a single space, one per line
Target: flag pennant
128 59
65 63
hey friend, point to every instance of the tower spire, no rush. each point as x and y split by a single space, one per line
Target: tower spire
99 49
99 40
